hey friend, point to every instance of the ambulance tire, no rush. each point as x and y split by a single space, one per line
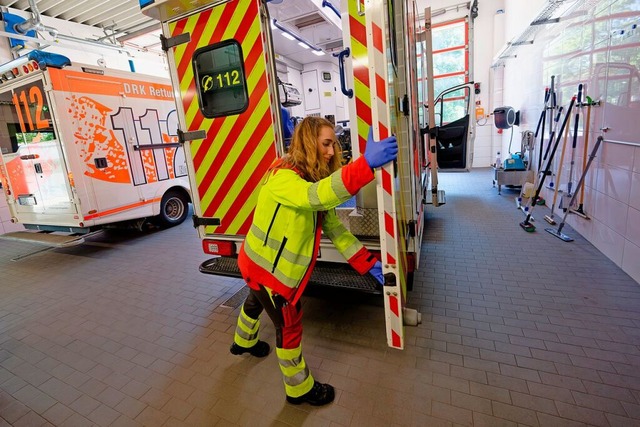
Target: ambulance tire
174 209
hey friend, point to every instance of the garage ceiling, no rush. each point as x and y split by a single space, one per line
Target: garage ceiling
119 16
122 20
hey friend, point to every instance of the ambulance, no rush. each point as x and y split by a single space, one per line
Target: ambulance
225 67
84 147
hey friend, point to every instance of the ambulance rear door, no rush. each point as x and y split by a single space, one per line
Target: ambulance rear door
222 59
371 38
35 164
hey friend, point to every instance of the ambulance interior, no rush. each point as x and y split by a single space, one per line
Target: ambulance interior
307 39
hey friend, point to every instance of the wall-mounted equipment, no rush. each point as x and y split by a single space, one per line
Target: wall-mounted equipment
289 95
505 117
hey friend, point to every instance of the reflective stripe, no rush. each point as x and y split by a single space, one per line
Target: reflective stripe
297 378
290 363
267 265
351 250
246 320
246 330
300 260
337 186
342 239
335 232
312 194
295 373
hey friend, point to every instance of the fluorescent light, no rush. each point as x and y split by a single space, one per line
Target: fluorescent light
291 35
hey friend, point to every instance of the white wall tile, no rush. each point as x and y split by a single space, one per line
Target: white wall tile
612 212
8 227
5 217
633 227
619 155
608 241
581 225
630 260
615 182
634 194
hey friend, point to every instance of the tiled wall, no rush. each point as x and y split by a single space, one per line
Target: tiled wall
5 218
578 50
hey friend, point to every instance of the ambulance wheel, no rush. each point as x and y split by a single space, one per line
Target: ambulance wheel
174 209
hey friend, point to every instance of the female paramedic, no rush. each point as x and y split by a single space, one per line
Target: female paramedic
295 205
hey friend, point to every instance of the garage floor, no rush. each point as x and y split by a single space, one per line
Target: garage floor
518 329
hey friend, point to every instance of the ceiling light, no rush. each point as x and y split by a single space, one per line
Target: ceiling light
304 45
291 35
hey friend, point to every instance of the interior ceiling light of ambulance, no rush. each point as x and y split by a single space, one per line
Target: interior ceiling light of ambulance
293 36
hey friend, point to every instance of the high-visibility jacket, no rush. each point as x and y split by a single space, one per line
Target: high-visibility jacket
280 250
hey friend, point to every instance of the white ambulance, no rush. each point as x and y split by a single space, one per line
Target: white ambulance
84 146
225 69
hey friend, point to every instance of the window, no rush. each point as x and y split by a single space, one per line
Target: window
450 68
220 79
24 117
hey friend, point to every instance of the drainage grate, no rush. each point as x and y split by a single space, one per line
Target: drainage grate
236 299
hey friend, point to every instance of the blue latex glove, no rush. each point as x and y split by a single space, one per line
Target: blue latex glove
376 271
380 153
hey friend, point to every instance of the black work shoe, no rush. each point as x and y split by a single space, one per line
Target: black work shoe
320 394
261 349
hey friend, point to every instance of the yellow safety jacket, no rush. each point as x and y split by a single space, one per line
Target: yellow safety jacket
280 250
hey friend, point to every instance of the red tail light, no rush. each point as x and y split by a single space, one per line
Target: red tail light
218 247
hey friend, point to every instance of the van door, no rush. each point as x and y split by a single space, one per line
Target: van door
35 164
228 91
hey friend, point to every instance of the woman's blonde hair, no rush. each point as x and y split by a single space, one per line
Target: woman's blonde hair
304 153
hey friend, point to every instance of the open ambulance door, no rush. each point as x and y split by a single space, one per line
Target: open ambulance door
224 63
35 171
453 115
437 196
371 39
416 181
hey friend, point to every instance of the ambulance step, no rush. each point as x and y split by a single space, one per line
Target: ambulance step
45 238
335 275
442 199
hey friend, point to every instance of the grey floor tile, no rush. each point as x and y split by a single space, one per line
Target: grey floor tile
518 329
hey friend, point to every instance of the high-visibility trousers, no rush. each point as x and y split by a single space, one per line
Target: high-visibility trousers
287 320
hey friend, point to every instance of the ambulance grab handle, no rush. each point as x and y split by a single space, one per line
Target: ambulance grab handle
343 81
326 3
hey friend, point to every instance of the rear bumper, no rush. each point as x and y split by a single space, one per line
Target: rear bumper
334 275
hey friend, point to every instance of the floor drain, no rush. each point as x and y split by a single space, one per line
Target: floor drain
236 299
